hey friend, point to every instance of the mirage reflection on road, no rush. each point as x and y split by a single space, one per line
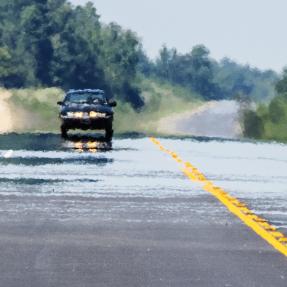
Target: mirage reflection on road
87 143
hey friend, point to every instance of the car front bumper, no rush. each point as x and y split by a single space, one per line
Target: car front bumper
86 122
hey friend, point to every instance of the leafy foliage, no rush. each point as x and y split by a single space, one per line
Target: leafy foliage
192 70
281 86
253 125
269 121
46 43
200 73
52 43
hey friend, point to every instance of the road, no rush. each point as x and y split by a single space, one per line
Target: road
213 119
125 215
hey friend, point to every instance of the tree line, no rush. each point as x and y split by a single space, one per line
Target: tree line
269 121
209 78
52 43
47 43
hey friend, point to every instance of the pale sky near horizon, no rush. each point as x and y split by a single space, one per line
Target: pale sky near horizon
249 31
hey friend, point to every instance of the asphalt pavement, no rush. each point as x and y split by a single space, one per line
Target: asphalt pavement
84 212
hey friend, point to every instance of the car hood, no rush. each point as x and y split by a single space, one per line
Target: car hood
74 107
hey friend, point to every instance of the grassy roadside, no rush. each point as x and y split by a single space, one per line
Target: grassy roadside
161 100
36 109
267 121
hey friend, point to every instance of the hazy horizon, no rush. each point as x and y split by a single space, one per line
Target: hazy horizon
249 33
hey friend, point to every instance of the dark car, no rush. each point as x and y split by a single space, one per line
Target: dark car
87 109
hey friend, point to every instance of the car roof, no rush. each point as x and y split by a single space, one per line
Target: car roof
92 91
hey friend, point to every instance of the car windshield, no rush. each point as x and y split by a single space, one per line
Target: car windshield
85 98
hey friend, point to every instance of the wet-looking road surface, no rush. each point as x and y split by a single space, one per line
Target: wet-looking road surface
92 214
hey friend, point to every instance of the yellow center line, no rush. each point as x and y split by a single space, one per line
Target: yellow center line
258 224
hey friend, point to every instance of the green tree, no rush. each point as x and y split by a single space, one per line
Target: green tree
51 42
276 110
76 61
120 50
145 66
253 125
35 36
9 76
281 86
165 63
193 70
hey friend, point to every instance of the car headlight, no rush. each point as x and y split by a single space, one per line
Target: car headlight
70 114
77 115
97 115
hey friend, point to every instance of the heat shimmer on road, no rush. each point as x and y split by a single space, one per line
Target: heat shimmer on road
258 224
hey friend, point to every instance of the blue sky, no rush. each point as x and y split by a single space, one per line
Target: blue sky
248 31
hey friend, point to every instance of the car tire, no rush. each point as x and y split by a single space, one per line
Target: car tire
109 132
64 131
